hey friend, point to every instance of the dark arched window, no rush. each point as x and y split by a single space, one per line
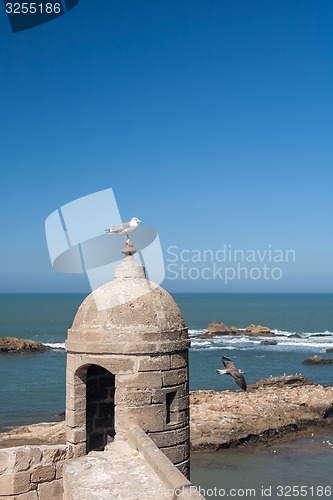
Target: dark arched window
100 407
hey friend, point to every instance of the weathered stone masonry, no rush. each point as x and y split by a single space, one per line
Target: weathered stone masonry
32 472
131 332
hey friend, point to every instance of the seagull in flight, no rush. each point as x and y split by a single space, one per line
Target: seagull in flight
231 370
124 228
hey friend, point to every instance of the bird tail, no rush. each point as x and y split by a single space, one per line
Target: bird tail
220 372
108 231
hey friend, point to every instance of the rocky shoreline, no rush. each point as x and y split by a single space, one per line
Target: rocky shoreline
12 345
278 408
274 409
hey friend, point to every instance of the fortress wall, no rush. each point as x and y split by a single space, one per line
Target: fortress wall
161 464
132 461
32 472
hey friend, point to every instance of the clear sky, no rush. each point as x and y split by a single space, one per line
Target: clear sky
210 119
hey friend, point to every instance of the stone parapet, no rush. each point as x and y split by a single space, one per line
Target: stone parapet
174 480
133 467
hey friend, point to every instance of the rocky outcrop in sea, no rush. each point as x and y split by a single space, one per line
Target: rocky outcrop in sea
14 345
217 328
317 360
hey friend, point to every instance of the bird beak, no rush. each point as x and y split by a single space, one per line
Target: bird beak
139 220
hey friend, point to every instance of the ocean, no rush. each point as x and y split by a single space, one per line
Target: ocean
32 386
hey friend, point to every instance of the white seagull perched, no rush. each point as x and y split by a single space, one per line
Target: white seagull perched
124 228
236 374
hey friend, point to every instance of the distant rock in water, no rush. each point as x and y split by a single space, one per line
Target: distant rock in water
317 360
14 345
258 331
268 342
217 328
330 349
295 336
234 330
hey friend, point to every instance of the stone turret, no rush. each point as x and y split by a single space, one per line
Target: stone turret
127 363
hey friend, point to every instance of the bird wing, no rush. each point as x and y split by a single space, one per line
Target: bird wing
228 363
239 379
120 227
234 372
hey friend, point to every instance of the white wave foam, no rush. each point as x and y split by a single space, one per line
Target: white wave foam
195 333
307 342
322 345
55 345
200 342
284 333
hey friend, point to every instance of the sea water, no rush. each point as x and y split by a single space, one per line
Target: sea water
301 468
32 386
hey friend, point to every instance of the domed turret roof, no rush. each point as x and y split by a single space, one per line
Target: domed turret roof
127 306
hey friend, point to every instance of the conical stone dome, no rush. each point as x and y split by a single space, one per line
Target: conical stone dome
126 312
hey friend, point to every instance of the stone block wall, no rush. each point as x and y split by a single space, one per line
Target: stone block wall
151 390
32 472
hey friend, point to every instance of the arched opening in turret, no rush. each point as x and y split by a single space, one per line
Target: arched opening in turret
100 392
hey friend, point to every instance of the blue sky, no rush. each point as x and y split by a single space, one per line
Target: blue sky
210 119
